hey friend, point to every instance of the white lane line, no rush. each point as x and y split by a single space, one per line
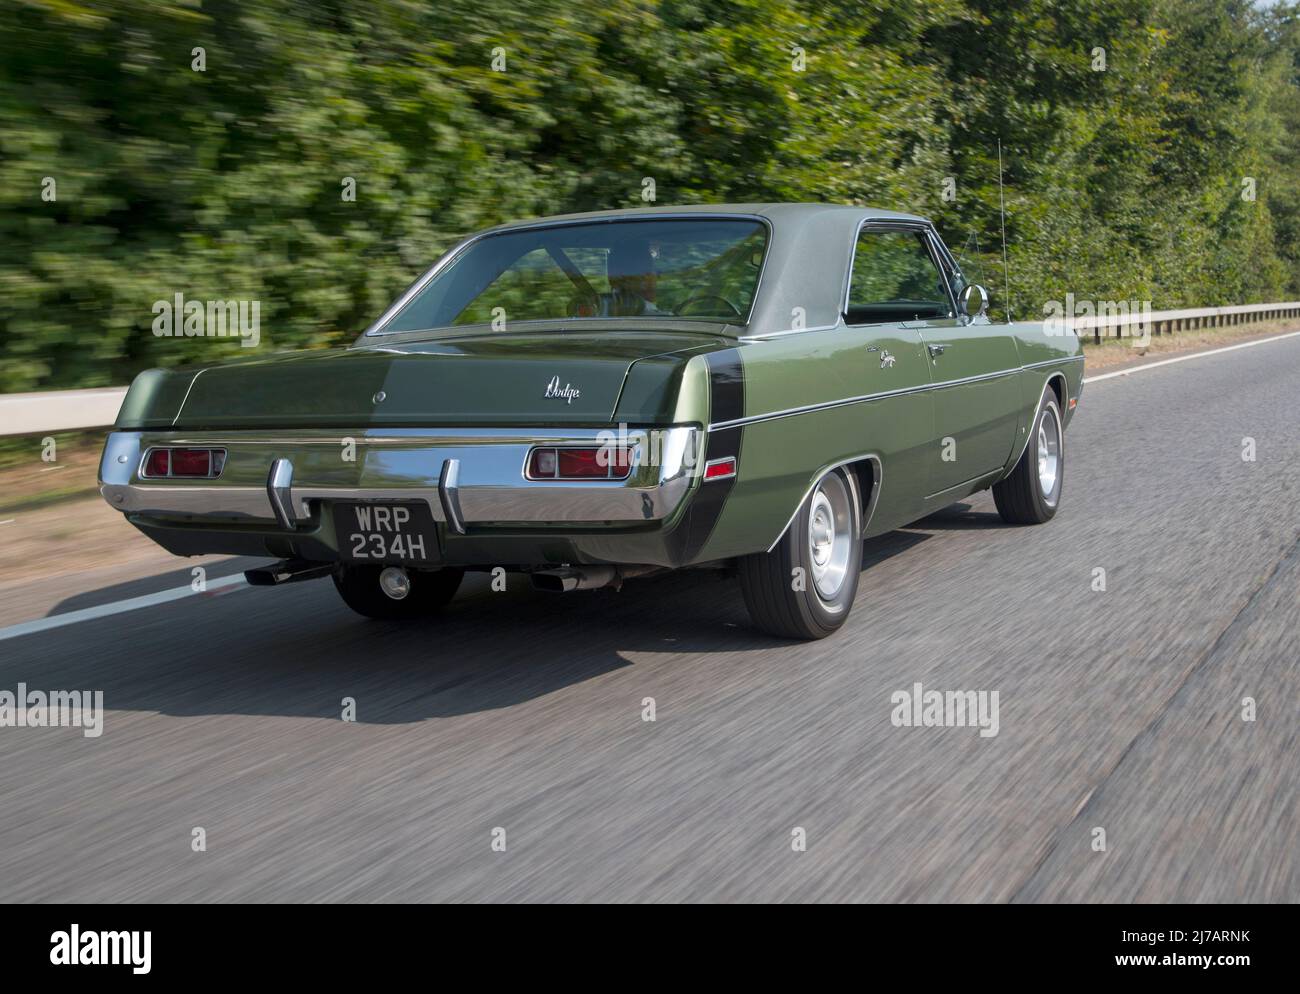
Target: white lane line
118 607
1185 358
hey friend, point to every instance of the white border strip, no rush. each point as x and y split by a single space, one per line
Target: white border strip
1185 358
118 607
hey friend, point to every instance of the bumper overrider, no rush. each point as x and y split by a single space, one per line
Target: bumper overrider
275 492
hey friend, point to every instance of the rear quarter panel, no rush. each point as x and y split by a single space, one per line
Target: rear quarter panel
782 457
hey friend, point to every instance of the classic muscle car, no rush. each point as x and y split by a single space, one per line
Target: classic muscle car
600 396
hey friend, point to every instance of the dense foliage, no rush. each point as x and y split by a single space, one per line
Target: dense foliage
1122 182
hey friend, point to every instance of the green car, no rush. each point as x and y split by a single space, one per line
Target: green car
595 397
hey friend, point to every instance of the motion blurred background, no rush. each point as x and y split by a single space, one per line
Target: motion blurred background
1130 128
157 147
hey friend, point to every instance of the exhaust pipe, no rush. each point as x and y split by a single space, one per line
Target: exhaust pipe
286 571
395 582
559 581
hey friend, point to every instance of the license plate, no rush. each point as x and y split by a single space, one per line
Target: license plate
386 533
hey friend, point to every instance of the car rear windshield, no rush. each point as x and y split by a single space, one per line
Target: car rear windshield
697 269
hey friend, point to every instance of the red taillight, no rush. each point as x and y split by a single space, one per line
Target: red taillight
191 462
581 464
184 463
620 460
601 462
159 463
720 469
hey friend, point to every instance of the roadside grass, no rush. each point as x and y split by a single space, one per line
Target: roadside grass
22 450
28 482
47 497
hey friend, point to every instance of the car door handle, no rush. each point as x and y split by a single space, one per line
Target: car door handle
936 350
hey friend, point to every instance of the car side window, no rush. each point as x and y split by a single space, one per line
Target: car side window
895 279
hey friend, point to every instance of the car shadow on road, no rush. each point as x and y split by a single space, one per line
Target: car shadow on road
182 576
297 651
959 517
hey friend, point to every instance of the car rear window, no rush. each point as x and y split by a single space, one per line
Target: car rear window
703 269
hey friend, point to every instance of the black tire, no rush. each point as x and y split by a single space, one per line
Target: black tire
1020 497
768 579
430 590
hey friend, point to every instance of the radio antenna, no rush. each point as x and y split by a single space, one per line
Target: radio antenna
1002 207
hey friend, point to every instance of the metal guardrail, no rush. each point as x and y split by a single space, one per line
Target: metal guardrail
72 410
1118 325
59 410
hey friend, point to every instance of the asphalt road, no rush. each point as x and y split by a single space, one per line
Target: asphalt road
1119 710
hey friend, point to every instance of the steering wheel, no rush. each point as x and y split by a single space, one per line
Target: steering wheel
682 309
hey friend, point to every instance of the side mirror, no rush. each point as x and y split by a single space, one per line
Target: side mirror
974 301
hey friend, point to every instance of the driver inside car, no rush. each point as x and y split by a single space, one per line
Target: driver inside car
633 281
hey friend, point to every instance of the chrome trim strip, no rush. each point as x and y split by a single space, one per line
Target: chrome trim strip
945 275
1053 362
965 483
185 400
487 483
948 269
946 252
449 495
871 501
926 230
788 331
279 488
864 398
385 437
810 408
456 250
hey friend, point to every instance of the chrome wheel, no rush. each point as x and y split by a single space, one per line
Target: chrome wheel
803 587
1049 455
830 536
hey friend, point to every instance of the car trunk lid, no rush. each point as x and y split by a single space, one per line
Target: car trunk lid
551 378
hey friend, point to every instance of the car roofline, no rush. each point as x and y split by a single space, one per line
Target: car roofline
773 215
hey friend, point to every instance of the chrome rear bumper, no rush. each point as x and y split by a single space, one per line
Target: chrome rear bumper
468 477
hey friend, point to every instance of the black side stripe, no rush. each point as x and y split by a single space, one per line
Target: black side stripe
726 403
727 384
